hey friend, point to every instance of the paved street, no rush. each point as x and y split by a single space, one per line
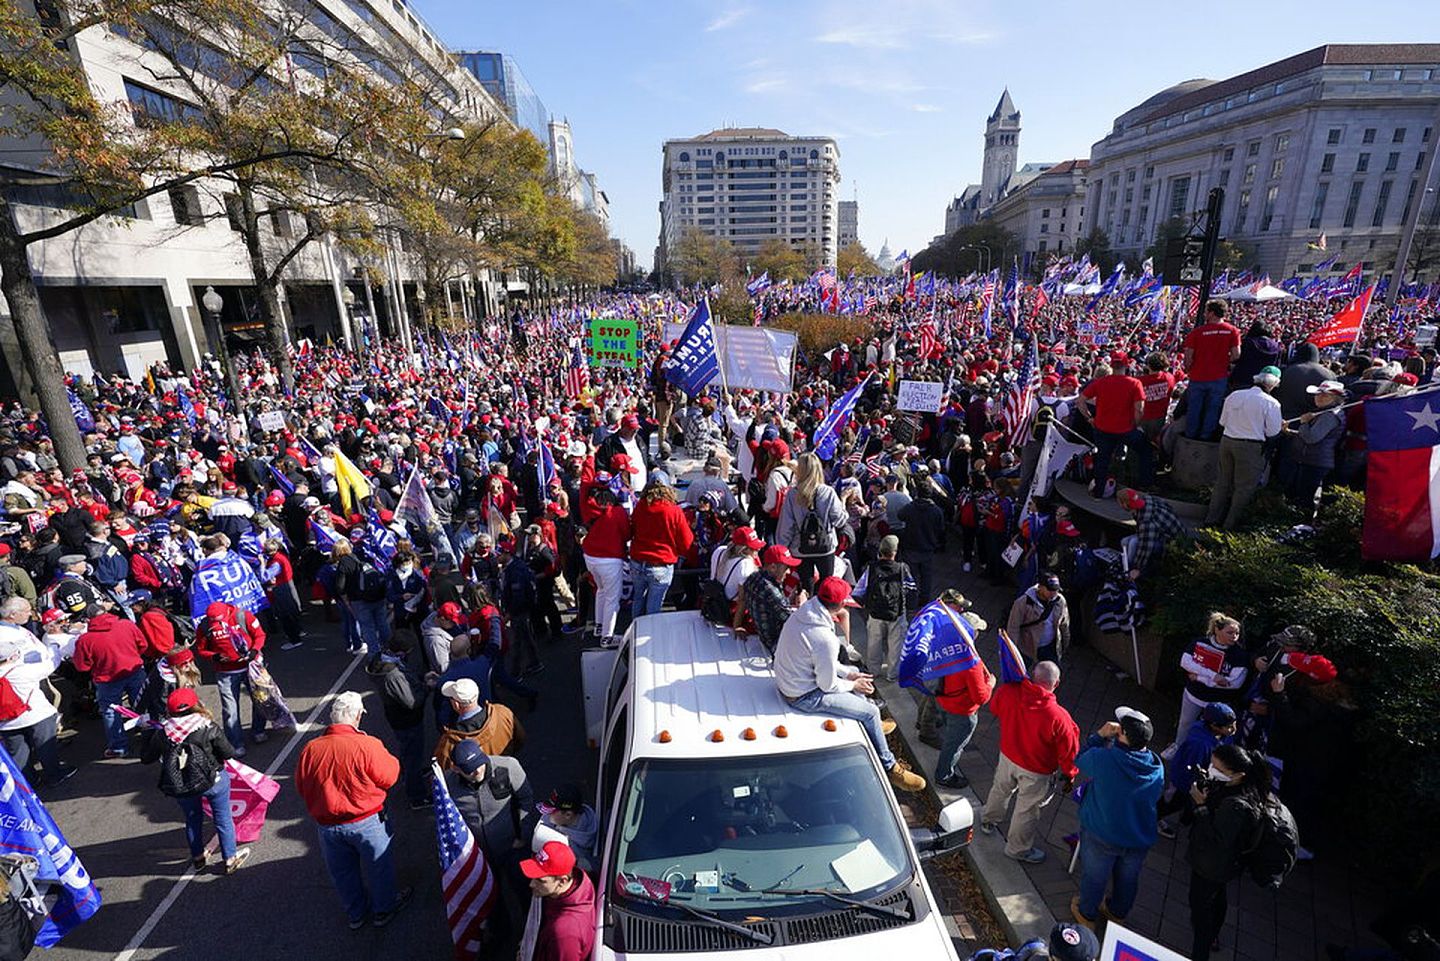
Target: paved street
131 839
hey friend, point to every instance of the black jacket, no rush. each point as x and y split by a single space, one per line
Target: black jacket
924 530
209 738
1226 827
402 692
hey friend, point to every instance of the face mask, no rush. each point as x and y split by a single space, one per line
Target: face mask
405 571
1215 774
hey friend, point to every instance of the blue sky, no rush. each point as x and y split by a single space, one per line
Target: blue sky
904 86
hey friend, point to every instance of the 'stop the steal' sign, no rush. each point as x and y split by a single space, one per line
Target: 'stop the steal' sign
920 395
614 342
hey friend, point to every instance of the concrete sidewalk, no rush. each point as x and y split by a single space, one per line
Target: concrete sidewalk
1320 903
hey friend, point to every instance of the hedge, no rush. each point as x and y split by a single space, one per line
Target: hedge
1379 623
819 332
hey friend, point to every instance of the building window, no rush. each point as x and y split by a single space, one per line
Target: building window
1352 205
1399 135
1282 143
1044 228
1409 199
151 107
1425 135
1241 211
1317 207
1145 193
1129 194
1419 161
684 157
1045 213
1369 136
1130 176
1252 149
1392 162
1277 167
185 205
1144 214
1333 137
1228 156
1042 246
234 214
1267 213
1362 163
1327 163
1249 177
280 223
1380 203
1149 171
1179 196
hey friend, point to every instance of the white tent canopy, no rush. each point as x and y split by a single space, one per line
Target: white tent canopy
1250 293
1081 290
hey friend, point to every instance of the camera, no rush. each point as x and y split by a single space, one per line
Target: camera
1201 777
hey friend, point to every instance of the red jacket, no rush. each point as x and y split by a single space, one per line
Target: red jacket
215 639
343 775
1036 733
110 648
660 533
143 573
159 633
608 532
964 692
567 924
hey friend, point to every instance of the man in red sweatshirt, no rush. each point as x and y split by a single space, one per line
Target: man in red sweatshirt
566 902
660 536
110 650
960 698
1037 738
232 638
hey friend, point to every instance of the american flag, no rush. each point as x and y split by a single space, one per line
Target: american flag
577 378
929 342
469 885
1018 409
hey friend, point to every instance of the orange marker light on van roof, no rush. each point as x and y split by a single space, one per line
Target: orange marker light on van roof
830 725
664 737
717 735
781 731
748 734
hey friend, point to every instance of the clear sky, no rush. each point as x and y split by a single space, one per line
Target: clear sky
904 86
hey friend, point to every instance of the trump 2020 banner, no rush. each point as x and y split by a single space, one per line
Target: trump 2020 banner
228 578
27 828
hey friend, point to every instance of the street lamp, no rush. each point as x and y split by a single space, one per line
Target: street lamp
347 297
214 304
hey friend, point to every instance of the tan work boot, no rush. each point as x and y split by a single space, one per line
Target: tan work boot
887 726
904 779
1080 919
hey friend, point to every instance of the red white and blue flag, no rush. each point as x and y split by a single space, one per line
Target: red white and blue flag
577 377
1012 665
937 642
1018 408
1345 326
1402 485
465 876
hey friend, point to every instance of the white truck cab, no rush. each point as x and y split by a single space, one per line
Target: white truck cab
732 823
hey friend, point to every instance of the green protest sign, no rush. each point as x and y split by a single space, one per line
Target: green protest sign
614 342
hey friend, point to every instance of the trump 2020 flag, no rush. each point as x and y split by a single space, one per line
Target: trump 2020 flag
828 433
229 578
27 828
937 642
1012 665
694 363
83 418
1402 486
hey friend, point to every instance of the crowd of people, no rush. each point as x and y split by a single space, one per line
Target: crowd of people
458 517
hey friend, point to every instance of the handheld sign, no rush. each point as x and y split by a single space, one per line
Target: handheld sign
614 342
923 396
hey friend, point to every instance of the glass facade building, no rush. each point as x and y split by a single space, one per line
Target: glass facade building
499 74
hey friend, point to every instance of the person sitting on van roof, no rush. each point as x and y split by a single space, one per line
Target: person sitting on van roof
812 680
762 595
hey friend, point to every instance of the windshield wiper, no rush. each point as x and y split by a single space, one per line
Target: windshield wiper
883 910
710 918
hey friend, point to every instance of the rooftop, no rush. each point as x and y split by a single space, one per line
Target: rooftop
743 133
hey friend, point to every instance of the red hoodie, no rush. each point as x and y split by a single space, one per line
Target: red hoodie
661 535
609 530
965 692
109 649
1036 733
216 639
567 924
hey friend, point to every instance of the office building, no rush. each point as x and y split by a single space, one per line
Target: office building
1044 208
124 291
1331 141
750 186
501 76
848 228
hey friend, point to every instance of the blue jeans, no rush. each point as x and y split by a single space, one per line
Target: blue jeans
850 705
956 733
230 685
109 694
219 797
1139 447
35 743
1102 863
651 584
373 624
354 854
1203 400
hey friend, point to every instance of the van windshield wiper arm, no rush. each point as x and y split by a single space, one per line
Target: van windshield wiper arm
710 918
884 910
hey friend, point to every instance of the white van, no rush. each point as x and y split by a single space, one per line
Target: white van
732 823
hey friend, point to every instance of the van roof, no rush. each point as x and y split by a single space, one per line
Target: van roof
690 678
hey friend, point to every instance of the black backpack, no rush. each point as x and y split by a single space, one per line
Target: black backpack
372 583
885 591
184 629
814 539
714 604
187 769
1272 857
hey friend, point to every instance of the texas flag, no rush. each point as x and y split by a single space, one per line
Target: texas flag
1402 489
1344 327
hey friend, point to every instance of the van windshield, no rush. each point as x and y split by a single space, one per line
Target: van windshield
720 832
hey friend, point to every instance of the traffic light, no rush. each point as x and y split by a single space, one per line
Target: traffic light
1184 264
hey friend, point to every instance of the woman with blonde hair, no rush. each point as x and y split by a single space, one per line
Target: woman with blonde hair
659 536
1216 667
811 520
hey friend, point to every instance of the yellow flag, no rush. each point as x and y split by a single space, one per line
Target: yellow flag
351 484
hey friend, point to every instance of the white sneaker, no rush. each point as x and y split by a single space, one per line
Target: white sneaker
966 567
291 645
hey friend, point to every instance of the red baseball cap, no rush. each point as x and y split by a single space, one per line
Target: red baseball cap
554 860
745 537
630 422
182 699
833 590
451 612
622 462
4 549
52 616
779 554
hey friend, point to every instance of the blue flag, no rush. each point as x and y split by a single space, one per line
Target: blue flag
282 483
228 578
694 362
187 407
27 828
1106 289
83 418
1012 665
937 642
828 433
379 543
324 539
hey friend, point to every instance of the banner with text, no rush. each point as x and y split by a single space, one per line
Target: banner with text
614 342
923 396
228 578
755 358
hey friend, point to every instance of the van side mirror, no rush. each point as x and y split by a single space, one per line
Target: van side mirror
954 829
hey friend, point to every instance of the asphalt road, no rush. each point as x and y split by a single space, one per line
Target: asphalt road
130 837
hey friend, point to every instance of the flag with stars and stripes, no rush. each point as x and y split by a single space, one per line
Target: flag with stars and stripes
577 377
465 876
1018 409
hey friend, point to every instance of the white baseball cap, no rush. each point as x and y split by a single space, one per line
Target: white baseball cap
461 689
